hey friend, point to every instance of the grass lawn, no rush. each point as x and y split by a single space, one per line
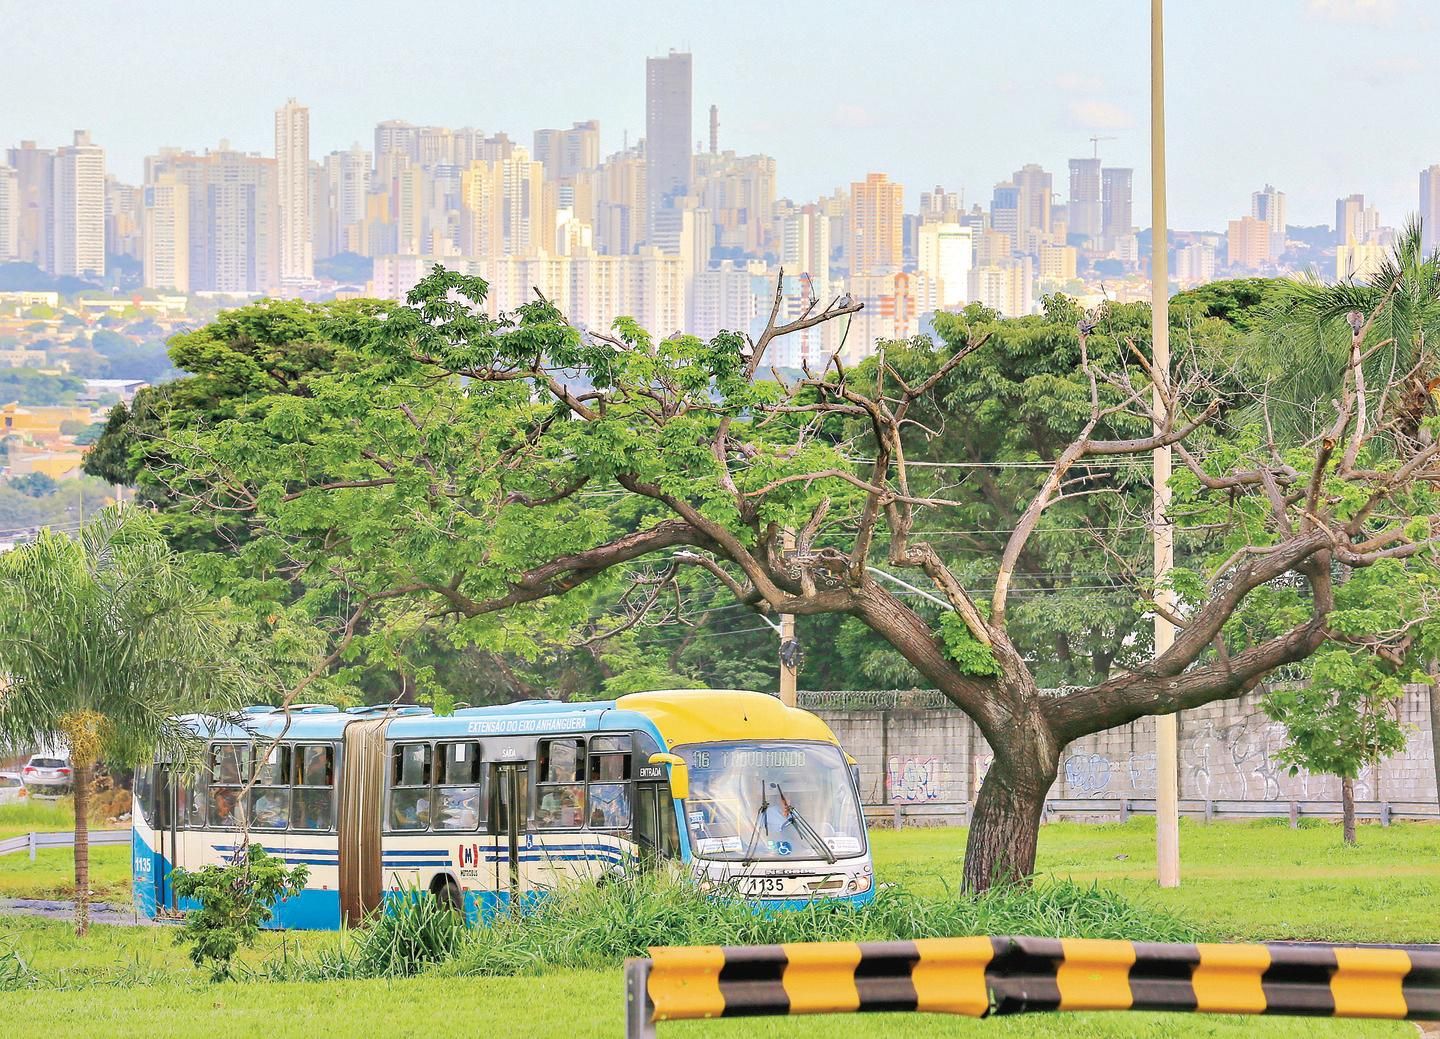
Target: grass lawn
52 873
1246 880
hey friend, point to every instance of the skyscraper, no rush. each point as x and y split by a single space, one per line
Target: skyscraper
1033 187
945 253
1005 212
9 215
292 174
344 185
877 225
1268 205
78 242
1430 207
1247 243
232 224
1116 218
1084 206
1349 214
166 222
668 138
566 153
35 178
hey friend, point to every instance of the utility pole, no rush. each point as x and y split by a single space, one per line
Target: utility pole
1167 815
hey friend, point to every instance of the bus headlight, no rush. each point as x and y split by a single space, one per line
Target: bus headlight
858 885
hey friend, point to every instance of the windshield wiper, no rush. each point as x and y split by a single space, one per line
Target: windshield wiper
792 814
755 830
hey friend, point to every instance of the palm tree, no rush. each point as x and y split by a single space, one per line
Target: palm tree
104 641
1305 341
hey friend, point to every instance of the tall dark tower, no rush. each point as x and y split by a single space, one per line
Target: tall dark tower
668 110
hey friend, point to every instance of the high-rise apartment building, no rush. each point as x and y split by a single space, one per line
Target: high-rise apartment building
1116 218
78 202
166 223
1033 191
566 153
945 253
1429 210
35 178
941 206
622 203
877 225
292 175
739 192
1084 206
344 185
668 140
1005 214
9 215
1268 204
122 219
232 221
1007 287
1247 243
1194 264
1354 220
527 223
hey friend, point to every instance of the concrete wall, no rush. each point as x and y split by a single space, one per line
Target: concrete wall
1227 752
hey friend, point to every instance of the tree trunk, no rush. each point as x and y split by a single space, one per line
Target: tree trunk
1006 824
82 780
1347 800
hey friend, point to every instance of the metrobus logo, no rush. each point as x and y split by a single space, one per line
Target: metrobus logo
469 855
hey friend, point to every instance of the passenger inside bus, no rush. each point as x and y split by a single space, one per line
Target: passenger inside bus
410 809
272 809
560 806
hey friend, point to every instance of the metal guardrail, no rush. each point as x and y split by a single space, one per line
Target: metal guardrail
32 842
957 813
979 977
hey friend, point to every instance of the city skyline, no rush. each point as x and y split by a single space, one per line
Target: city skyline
1322 65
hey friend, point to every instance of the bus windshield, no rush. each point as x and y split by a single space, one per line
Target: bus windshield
771 801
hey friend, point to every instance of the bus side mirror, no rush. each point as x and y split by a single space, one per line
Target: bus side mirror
679 773
854 771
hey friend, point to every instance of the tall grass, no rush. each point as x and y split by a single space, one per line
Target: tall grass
593 927
37 815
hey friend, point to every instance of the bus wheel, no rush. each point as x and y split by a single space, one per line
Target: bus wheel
447 894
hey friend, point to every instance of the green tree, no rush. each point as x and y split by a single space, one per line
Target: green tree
104 643
235 902
1307 339
35 485
514 475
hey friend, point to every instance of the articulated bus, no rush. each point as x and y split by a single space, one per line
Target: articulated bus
491 807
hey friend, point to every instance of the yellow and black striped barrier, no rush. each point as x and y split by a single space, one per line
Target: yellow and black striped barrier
977 977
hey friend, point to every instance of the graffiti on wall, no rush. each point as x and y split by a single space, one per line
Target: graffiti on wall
915 780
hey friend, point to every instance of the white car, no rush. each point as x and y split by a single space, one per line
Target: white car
47 774
12 788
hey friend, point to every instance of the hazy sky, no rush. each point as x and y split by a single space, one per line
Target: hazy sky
1320 97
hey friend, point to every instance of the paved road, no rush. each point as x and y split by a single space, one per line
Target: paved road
53 909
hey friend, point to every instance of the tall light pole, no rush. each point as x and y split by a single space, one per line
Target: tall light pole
1167 816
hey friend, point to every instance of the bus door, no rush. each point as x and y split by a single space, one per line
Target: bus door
509 808
655 831
158 802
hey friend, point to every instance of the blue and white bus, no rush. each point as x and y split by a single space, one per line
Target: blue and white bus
493 806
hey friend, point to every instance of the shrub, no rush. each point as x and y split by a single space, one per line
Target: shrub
597 927
235 900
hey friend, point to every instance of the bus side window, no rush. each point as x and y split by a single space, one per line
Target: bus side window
669 837
410 772
314 781
270 796
226 782
458 786
560 792
609 779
